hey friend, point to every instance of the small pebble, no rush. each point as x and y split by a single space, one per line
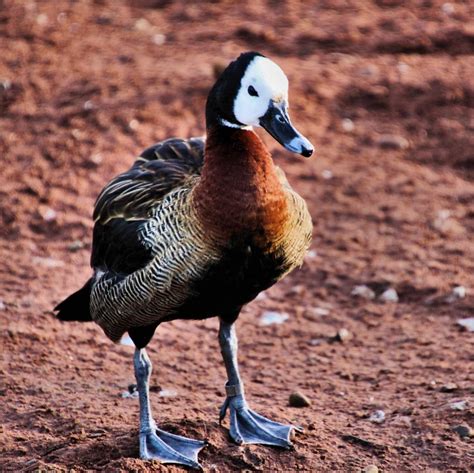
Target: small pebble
2 305
347 125
363 291
446 225
369 70
168 393
390 295
448 8
319 311
6 83
468 323
47 262
371 469
312 254
76 245
272 318
159 39
458 405
298 399
327 174
343 335
142 24
464 430
449 388
392 142
458 292
48 214
134 124
42 19
131 392
403 68
377 417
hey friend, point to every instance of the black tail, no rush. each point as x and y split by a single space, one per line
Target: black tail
76 306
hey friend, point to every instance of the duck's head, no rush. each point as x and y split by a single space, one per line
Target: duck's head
253 91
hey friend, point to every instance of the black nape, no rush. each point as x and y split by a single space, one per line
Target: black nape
220 102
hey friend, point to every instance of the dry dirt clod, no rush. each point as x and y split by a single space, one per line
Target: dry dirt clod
464 430
76 246
392 142
449 387
458 292
347 125
363 291
371 469
343 335
459 405
377 417
390 295
48 214
468 323
298 399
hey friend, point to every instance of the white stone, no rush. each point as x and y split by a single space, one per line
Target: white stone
272 318
459 405
168 393
49 215
467 323
47 262
142 24
448 8
390 295
159 39
134 124
377 417
363 291
347 125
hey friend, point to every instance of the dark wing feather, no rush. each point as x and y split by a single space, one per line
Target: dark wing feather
157 171
125 203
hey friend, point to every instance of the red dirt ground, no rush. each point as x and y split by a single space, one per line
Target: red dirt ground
86 85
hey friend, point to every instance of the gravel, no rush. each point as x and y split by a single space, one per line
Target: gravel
298 399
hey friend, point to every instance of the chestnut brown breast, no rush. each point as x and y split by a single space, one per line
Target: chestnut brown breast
240 192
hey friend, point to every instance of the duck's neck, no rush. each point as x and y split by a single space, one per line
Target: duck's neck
239 193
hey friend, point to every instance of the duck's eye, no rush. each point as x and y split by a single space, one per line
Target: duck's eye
251 90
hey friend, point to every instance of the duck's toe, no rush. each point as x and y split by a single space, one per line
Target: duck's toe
248 427
169 448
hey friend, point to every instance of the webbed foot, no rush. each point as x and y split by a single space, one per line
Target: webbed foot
246 426
156 444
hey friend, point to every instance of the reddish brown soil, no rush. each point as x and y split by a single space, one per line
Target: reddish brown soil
84 88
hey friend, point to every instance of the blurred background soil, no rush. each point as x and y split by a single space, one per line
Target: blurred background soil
385 90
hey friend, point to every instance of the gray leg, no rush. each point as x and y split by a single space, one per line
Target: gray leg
155 443
246 426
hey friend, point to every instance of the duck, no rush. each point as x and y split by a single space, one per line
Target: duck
197 228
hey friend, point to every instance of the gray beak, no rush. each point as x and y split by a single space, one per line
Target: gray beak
277 122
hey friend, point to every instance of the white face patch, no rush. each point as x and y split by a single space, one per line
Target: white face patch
268 81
